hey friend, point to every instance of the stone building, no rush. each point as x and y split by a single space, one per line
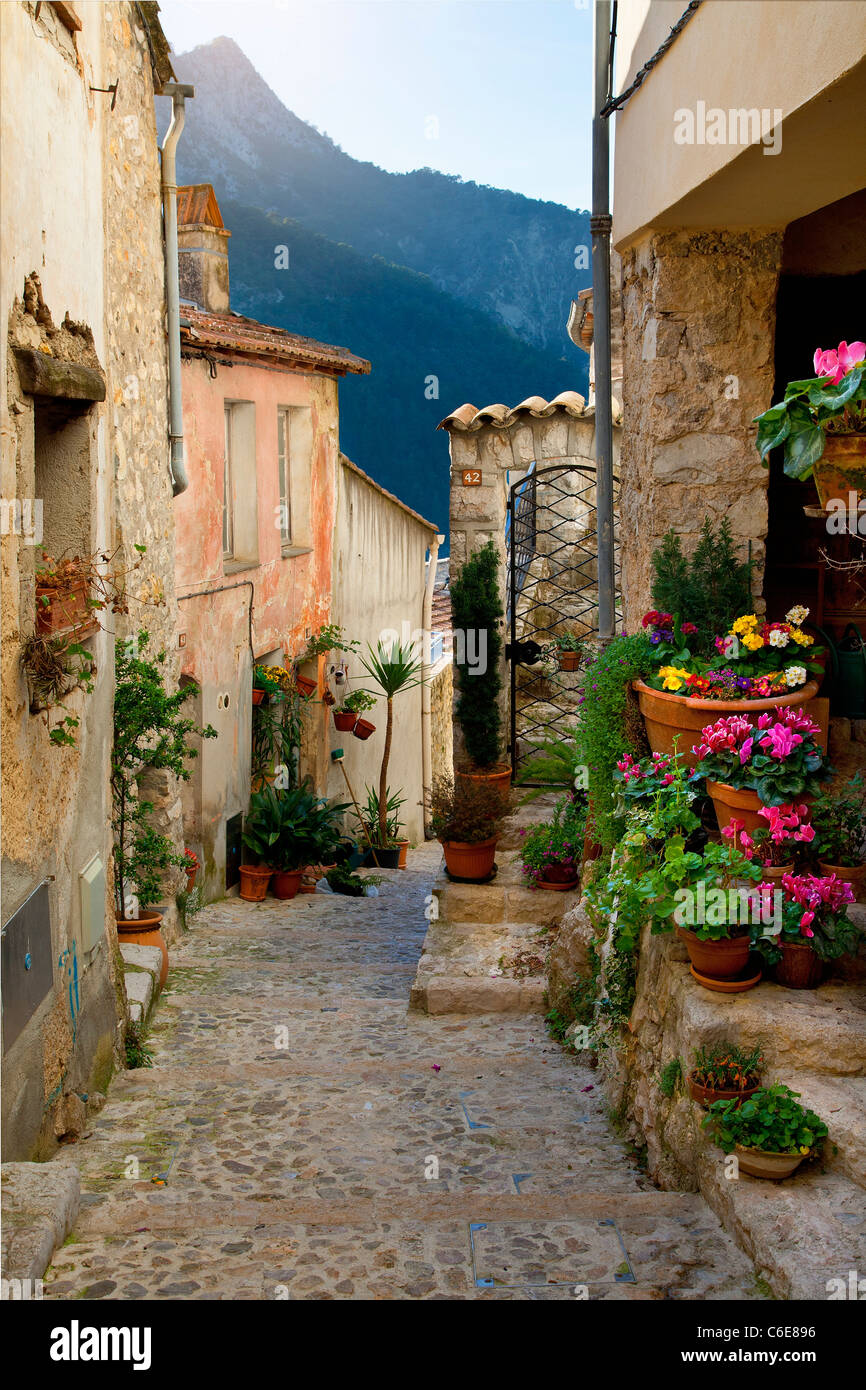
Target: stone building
85 470
739 215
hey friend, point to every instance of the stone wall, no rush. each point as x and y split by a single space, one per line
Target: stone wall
441 707
699 324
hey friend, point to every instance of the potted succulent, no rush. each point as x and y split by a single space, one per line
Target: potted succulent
476 608
822 424
393 672
151 734
723 1071
774 844
770 1132
386 851
703 896
465 817
839 822
569 649
768 764
191 867
550 854
814 928
350 708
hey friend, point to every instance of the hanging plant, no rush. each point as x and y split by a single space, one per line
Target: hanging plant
54 668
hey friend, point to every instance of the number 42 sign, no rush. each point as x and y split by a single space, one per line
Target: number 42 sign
471 477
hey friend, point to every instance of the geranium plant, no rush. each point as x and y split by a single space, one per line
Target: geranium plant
831 402
558 845
358 702
771 1121
777 758
814 913
693 890
775 843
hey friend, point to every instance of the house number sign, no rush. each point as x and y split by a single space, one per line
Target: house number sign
471 477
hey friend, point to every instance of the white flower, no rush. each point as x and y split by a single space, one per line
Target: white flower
797 615
778 638
795 675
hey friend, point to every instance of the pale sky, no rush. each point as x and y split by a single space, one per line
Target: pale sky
507 83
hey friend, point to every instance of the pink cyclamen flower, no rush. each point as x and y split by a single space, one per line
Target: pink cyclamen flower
836 364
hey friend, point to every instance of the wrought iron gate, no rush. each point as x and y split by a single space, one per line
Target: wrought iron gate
552 590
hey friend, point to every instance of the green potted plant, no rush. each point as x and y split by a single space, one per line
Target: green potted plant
286 831
476 610
550 854
348 712
770 1132
822 424
814 928
465 817
723 1071
774 763
704 897
390 852
569 649
150 734
393 672
838 819
265 684
328 638
54 667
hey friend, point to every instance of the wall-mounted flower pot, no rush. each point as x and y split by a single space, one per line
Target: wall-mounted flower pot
258 696
254 882
285 883
145 931
708 1095
65 611
760 1163
668 716
719 960
733 804
841 469
344 720
855 875
363 729
469 860
306 687
569 661
799 967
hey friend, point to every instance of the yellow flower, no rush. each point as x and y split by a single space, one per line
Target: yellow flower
744 624
801 638
753 641
674 677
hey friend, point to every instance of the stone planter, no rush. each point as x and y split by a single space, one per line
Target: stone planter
145 931
718 960
730 804
469 861
855 875
668 716
759 1163
706 1095
254 882
799 967
285 883
841 469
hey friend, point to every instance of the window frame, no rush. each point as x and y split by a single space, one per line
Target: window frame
228 537
284 474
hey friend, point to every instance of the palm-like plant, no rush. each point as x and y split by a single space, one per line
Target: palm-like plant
399 669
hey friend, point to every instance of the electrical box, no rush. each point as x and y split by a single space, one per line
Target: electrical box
91 883
25 959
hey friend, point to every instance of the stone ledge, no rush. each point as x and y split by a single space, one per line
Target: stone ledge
40 1208
141 979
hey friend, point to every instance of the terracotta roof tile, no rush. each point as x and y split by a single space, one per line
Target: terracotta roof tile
233 333
570 403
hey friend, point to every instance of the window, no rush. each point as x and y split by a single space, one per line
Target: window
228 501
240 515
284 464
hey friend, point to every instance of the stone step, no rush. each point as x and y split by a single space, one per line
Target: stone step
840 1101
505 899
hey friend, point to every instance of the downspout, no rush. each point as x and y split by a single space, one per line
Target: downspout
426 694
600 226
178 92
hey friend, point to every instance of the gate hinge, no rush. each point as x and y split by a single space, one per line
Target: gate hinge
526 653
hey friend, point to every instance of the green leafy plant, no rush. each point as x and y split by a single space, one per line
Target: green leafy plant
771 1121
558 844
54 667
693 890
568 642
343 880
329 638
277 733
839 821
359 702
476 608
609 724
670 1078
710 589
287 830
724 1066
392 671
136 1051
150 734
465 811
555 763
832 403
780 760
370 820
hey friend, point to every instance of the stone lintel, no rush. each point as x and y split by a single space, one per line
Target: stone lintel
42 375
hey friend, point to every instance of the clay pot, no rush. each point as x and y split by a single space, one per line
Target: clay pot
760 1163
308 885
667 715
841 469
66 609
773 873
404 850
706 1095
344 720
474 861
569 661
190 878
285 883
145 931
363 729
496 777
306 687
855 875
799 967
731 804
254 882
558 878
719 960
258 696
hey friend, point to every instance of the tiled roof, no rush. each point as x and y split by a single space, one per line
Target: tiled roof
233 333
347 463
569 403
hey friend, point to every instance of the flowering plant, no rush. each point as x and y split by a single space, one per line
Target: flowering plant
190 860
777 757
689 889
831 402
726 1067
772 843
771 1121
814 913
840 825
774 655
558 845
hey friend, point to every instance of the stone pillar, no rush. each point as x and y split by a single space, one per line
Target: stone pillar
699 327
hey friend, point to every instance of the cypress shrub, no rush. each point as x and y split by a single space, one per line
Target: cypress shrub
476 607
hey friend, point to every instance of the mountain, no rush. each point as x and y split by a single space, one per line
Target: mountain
425 274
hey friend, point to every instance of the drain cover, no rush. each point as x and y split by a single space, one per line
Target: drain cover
514 1254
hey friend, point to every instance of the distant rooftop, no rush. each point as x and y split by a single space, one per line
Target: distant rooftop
233 333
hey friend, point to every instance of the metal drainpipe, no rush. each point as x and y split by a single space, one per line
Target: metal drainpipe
426 701
178 92
600 226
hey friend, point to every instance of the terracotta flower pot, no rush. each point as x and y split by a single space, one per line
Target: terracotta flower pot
469 860
190 878
569 661
855 875
306 687
66 609
497 777
760 1163
308 885
258 696
363 729
799 967
404 850
667 715
145 931
841 469
773 873
254 882
558 878
344 720
706 1095
719 960
731 804
285 883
